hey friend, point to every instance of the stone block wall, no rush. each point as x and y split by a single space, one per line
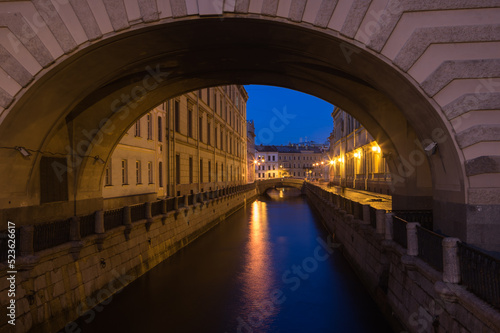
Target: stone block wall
57 285
410 293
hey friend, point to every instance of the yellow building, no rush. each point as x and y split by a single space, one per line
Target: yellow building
192 143
356 159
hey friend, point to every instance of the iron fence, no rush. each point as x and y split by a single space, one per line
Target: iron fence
156 208
113 218
170 204
87 225
430 247
424 217
399 231
480 273
137 212
48 235
4 244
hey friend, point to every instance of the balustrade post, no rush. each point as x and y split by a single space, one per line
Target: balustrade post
164 206
26 242
380 219
127 217
99 222
388 226
176 203
74 229
412 238
147 209
186 200
451 264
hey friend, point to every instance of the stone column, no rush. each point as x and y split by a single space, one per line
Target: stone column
412 239
26 241
380 215
451 264
388 226
99 222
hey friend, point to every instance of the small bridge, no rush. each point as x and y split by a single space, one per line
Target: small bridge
264 185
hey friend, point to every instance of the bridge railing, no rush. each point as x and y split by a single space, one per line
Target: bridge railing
33 238
458 262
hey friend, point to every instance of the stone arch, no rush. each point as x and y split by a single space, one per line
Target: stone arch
411 72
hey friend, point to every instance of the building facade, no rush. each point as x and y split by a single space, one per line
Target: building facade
251 151
192 143
356 159
296 161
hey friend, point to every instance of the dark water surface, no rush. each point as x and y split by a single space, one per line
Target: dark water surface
266 268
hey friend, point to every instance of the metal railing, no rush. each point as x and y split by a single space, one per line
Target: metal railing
49 235
399 231
424 217
87 225
430 247
137 212
156 208
170 204
113 218
480 273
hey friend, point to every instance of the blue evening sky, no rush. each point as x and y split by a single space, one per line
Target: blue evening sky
282 115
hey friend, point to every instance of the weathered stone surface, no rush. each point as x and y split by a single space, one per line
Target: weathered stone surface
297 10
421 38
148 9
482 164
117 14
355 17
478 133
471 102
86 18
325 13
56 25
459 69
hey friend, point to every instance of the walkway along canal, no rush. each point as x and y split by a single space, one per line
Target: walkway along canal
270 267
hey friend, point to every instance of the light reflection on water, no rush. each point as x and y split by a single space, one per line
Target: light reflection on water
226 281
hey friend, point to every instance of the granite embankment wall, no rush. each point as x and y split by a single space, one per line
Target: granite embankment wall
411 293
57 285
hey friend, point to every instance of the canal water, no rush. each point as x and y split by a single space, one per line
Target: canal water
268 268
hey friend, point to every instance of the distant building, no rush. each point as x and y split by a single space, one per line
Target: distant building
289 161
356 158
250 151
192 143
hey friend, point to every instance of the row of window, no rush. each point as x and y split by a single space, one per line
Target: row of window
233 146
149 127
228 175
305 158
108 179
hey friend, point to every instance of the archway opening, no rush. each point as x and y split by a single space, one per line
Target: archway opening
81 108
